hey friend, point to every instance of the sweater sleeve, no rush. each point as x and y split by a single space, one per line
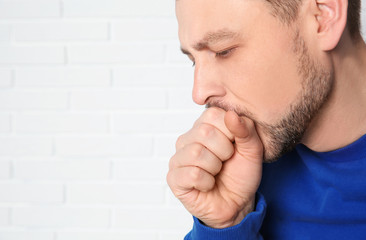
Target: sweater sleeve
248 228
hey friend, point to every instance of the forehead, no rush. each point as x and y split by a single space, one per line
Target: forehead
197 17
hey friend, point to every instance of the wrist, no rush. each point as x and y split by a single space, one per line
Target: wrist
236 219
243 213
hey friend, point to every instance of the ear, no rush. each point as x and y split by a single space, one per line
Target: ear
331 17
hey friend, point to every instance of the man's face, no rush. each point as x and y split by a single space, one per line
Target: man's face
248 61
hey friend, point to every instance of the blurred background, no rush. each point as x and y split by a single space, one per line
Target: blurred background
93 94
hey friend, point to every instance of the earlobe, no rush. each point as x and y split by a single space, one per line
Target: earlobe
332 20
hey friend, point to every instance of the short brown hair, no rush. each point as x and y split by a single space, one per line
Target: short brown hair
287 10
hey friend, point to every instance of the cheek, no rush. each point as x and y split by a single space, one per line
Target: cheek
268 81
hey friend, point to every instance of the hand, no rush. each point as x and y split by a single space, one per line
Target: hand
217 168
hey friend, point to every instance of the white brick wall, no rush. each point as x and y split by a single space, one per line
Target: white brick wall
93 94
31 193
60 31
59 170
118 8
31 55
61 217
30 9
26 235
84 77
4 216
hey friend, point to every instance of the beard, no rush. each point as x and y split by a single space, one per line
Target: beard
281 137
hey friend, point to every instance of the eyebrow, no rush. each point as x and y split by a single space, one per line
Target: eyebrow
211 38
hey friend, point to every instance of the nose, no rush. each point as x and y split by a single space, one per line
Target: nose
206 84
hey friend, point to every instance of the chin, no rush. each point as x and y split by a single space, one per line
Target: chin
276 145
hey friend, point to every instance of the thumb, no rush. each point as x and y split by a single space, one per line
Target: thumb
247 141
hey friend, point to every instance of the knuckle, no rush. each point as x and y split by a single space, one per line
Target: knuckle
172 163
195 150
179 143
196 174
169 178
206 130
171 181
212 114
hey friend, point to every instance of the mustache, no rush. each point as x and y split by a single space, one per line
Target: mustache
241 111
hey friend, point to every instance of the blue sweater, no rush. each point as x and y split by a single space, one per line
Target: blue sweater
305 195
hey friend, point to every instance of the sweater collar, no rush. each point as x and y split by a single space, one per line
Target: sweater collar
352 152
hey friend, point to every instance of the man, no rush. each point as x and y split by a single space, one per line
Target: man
284 82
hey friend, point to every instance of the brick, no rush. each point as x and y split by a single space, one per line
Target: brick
4 217
62 77
139 170
137 235
5 123
158 218
104 146
4 32
153 122
67 170
61 123
18 146
60 31
5 78
145 29
26 235
61 217
117 8
31 54
6 158
164 145
116 53
177 235
176 56
153 76
125 194
29 9
133 99
33 100
5 168
182 99
31 193
171 200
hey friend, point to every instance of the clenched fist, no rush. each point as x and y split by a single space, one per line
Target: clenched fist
217 168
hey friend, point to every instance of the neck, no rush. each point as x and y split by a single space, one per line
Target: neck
342 119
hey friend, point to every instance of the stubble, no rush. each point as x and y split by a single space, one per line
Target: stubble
281 137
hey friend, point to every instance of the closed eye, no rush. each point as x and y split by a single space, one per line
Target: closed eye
225 53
